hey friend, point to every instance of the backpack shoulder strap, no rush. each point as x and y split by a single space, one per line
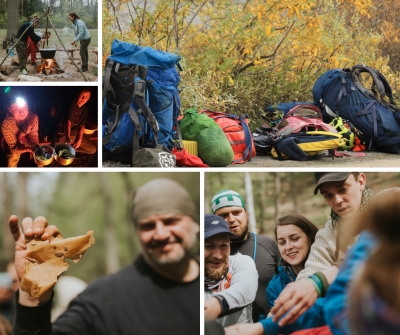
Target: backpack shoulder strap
255 246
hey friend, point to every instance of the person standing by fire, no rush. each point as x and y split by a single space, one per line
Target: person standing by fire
33 47
20 130
81 33
21 46
73 124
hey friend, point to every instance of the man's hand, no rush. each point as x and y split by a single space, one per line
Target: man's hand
245 329
31 229
212 308
295 299
73 43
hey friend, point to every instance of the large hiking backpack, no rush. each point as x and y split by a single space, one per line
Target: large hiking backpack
302 134
377 119
303 117
141 99
237 132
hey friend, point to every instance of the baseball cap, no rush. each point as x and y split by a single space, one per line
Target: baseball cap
214 224
226 198
325 177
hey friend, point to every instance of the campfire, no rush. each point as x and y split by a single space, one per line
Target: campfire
49 66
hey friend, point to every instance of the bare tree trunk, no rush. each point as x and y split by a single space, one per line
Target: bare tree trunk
277 196
112 259
250 202
22 198
12 17
7 245
263 202
134 248
293 192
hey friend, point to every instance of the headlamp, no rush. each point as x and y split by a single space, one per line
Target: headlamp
20 102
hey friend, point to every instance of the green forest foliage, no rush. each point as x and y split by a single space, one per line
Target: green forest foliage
87 11
78 202
239 56
296 194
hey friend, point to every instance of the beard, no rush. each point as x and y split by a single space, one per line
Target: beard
241 233
218 273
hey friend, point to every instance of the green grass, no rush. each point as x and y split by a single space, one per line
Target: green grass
66 39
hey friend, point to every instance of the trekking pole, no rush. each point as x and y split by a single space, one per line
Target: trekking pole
66 50
13 46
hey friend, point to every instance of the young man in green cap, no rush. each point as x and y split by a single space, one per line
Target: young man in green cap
231 207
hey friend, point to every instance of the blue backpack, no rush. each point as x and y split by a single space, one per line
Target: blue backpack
377 119
141 99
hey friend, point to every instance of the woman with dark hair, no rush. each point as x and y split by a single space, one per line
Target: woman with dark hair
81 33
294 235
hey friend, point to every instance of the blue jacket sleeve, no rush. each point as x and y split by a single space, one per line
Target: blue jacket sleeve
335 308
310 319
272 291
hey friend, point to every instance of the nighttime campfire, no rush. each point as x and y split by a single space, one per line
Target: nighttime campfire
44 126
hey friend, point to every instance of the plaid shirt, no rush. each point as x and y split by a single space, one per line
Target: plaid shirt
20 136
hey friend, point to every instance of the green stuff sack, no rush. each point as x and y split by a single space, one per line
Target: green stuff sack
193 123
214 148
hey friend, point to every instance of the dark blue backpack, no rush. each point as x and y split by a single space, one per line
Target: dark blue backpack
141 99
377 119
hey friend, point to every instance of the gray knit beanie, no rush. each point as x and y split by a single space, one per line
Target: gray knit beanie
160 196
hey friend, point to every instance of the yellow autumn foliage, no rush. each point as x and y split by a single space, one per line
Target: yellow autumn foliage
240 56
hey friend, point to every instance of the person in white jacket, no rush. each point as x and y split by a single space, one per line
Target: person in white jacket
230 282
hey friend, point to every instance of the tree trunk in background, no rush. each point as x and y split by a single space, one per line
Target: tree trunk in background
12 17
263 202
250 202
112 259
132 241
293 192
277 196
7 241
22 194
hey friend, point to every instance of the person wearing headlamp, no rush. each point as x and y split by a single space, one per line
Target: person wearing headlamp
20 130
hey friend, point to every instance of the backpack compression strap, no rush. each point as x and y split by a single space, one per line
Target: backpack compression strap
379 81
139 96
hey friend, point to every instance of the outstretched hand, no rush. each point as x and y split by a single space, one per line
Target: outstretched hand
245 329
294 300
30 229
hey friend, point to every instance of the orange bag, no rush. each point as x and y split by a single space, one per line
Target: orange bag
237 131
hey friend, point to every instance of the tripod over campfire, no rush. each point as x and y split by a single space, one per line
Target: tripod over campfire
48 65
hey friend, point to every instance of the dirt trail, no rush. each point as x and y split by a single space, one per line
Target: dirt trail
71 73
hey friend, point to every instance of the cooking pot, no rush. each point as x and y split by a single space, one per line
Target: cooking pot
58 155
47 53
43 155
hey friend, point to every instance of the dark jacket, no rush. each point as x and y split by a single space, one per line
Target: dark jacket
135 300
310 319
31 33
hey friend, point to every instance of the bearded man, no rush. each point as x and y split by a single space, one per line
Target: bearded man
230 281
230 206
157 294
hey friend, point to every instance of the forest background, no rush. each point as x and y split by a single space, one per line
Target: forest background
239 56
269 196
77 202
13 13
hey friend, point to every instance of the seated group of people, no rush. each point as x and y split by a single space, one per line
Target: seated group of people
20 128
341 279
